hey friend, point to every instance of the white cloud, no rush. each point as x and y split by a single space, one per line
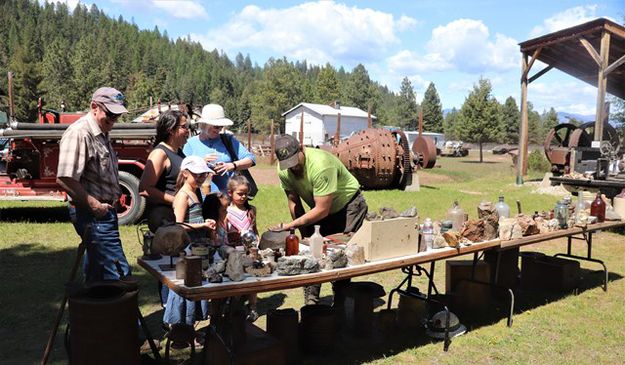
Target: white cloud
565 19
319 32
464 45
71 4
185 9
572 97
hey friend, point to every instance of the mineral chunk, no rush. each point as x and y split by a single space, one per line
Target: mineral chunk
271 239
527 224
295 265
258 268
473 230
452 238
215 278
409 213
355 254
509 229
234 267
439 241
335 259
388 213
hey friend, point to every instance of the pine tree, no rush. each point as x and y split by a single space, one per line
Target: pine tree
407 106
511 121
327 87
478 120
432 110
357 90
549 120
56 73
450 124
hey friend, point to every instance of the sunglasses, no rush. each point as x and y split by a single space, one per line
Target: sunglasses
109 115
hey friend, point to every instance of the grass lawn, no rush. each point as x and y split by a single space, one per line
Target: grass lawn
38 245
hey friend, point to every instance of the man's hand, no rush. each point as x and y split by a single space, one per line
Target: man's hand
98 209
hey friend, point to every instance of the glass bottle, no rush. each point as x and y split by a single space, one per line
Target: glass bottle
456 215
579 208
292 243
316 243
181 266
427 234
561 212
503 209
597 208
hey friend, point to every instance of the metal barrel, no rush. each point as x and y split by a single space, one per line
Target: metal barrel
318 327
282 324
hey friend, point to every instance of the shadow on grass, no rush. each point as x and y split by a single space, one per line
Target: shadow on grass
35 214
483 162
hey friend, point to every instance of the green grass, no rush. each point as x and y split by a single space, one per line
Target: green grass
36 257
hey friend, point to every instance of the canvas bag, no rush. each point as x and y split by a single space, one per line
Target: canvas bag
227 141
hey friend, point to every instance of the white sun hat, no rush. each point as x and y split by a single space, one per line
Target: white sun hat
196 165
213 114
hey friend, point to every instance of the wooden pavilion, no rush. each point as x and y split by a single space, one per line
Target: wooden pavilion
593 52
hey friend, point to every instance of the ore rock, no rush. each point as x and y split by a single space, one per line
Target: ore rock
355 254
335 259
234 267
296 265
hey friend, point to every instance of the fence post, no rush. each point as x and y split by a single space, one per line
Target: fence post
272 140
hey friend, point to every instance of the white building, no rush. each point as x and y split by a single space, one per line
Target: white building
320 121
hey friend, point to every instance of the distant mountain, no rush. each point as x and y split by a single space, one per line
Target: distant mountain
564 117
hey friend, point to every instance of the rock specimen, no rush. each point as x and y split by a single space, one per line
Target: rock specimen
355 254
170 240
271 239
409 213
234 266
295 265
473 230
388 213
259 268
486 209
491 226
542 224
215 278
335 259
452 238
527 224
509 229
439 241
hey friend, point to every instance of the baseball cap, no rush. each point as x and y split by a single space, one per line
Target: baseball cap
287 148
111 98
195 164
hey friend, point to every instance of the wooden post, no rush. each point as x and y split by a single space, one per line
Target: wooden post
150 102
301 129
249 134
523 132
337 135
272 140
420 113
369 120
602 81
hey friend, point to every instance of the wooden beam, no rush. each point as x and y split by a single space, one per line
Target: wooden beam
601 85
591 50
529 66
540 73
523 132
272 140
613 66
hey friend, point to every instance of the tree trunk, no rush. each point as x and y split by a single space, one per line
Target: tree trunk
481 156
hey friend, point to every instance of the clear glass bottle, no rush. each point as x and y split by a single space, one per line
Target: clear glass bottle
597 208
427 234
316 243
181 266
579 208
456 215
561 212
292 243
502 208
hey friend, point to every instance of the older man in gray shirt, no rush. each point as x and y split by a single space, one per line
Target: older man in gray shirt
88 171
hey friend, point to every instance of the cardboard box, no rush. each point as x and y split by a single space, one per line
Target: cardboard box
388 238
457 270
541 272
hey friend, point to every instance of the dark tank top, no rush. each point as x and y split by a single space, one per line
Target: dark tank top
167 181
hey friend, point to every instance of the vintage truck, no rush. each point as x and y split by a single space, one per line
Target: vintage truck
29 157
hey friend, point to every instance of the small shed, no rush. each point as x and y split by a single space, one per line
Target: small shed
319 122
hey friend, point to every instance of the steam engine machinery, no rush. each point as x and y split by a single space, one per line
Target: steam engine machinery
383 159
577 160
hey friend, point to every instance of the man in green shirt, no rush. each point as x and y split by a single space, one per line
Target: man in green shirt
331 192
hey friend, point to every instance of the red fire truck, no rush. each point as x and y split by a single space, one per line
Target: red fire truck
29 155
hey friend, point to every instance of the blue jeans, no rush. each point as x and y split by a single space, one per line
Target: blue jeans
105 246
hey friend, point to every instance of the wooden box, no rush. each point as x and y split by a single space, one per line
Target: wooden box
388 238
549 273
259 348
457 270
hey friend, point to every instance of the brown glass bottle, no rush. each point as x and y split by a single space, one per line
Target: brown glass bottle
597 208
292 243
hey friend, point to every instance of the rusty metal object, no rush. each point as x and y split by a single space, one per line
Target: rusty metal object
424 152
557 144
609 134
376 158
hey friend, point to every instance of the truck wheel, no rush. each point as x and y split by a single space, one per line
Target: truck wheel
131 204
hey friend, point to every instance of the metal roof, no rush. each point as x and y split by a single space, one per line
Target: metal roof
322 109
568 51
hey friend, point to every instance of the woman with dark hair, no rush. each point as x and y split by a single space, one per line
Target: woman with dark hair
158 181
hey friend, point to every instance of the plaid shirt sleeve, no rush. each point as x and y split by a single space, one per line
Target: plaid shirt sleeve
73 154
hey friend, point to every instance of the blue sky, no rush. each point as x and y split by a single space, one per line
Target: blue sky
450 43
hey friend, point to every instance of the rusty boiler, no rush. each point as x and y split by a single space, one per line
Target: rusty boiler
381 159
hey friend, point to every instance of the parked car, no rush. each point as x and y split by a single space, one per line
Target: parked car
454 149
502 149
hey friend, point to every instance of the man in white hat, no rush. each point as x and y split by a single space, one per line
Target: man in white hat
211 145
88 172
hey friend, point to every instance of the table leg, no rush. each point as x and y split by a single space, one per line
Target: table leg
586 237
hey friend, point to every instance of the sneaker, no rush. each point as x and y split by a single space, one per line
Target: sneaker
252 316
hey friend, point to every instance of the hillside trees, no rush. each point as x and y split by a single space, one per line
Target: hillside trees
511 120
432 110
327 86
479 120
450 124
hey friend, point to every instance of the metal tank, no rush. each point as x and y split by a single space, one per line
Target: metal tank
381 159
